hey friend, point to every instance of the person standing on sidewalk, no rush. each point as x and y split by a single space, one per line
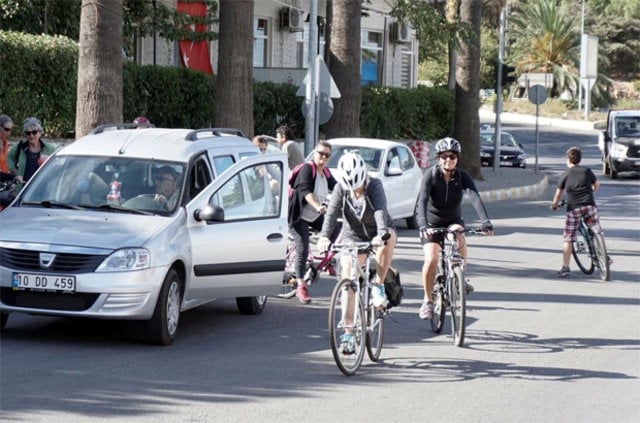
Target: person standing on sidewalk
284 135
441 192
580 184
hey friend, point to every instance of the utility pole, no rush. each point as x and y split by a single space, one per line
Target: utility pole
310 125
498 131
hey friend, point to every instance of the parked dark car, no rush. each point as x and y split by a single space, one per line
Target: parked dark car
511 152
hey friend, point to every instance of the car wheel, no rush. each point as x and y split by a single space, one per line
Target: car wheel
3 320
412 221
614 173
606 170
162 328
251 305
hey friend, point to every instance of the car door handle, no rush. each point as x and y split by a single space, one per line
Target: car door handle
275 237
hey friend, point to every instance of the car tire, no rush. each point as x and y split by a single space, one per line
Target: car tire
606 169
162 328
412 221
251 305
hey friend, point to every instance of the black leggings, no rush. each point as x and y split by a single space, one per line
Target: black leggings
300 233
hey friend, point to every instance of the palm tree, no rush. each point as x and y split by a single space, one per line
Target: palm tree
344 65
99 92
234 88
546 40
467 87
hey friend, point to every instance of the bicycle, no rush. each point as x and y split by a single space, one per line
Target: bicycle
589 250
316 263
449 286
351 311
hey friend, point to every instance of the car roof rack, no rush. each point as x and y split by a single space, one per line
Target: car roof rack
193 135
117 126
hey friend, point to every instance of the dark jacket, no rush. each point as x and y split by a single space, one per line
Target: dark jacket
304 184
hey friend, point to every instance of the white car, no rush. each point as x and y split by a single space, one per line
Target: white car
97 232
394 164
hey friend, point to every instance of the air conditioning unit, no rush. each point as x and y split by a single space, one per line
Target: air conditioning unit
291 19
400 32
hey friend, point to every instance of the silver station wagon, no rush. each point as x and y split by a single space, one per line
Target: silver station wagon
141 224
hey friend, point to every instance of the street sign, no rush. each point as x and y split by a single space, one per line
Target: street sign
326 83
325 108
537 94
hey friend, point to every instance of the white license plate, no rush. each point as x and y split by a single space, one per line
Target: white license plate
505 163
44 282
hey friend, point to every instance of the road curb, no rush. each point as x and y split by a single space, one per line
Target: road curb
515 193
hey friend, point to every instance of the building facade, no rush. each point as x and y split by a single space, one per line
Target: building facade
281 42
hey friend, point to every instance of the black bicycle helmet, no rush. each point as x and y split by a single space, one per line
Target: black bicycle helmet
448 144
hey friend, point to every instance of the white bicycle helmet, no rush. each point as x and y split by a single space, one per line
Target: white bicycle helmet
448 144
353 171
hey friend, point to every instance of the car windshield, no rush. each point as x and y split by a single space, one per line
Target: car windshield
628 126
371 156
109 183
505 138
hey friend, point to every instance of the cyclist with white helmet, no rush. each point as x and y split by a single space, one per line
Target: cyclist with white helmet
441 192
362 204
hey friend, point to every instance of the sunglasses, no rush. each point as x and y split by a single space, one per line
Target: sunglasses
30 132
449 157
323 154
7 129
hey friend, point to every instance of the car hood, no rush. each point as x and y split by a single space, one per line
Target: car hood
78 228
628 141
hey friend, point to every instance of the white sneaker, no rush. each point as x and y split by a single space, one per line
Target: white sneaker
378 298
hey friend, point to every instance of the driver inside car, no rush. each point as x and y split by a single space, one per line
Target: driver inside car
166 182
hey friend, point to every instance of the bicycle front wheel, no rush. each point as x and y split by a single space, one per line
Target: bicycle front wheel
458 305
375 332
582 254
600 250
439 309
346 316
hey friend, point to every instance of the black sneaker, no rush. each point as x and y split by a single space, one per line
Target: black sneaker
564 272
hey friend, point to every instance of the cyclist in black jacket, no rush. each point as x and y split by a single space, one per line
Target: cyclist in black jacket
441 192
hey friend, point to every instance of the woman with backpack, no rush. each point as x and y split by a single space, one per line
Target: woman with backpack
26 156
311 184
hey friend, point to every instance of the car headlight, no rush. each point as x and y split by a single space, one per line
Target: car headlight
126 259
485 154
618 150
522 156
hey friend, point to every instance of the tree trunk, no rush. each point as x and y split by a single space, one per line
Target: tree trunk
99 92
467 121
451 16
234 89
344 65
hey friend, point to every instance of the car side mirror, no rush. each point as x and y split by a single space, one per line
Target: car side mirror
209 214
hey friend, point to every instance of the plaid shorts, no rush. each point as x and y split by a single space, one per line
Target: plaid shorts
573 221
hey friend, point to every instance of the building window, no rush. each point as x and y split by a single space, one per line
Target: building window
302 46
371 67
260 42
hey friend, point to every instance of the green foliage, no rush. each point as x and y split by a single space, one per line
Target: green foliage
54 17
42 83
426 113
171 97
274 104
35 79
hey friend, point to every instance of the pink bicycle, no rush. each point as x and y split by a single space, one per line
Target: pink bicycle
316 263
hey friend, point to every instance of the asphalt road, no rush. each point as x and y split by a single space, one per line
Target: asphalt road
538 348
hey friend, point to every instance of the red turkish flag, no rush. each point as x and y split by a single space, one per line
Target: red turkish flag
195 54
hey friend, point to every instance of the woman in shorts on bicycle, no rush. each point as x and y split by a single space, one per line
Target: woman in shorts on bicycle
580 184
441 192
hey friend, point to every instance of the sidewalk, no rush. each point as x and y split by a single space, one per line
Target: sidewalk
511 184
